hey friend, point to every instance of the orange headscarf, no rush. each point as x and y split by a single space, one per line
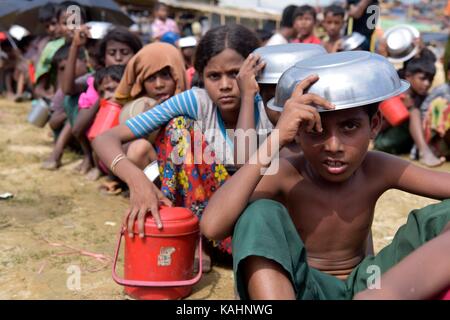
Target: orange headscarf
147 61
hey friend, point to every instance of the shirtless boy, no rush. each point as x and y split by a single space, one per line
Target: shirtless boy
310 243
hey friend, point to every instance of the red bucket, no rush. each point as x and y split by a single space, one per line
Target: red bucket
394 110
160 266
107 117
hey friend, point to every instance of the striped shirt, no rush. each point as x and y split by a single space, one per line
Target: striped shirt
196 104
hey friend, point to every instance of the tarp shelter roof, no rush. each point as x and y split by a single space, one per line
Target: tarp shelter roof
227 11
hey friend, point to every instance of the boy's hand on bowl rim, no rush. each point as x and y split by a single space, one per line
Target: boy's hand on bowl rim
299 109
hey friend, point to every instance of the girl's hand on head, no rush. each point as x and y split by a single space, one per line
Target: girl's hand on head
248 72
301 109
144 197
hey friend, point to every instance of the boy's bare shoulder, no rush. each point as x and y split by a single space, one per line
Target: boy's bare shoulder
381 158
380 164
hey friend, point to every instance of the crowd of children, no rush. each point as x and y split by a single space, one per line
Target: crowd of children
174 90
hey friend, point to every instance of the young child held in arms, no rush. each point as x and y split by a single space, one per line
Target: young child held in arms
306 244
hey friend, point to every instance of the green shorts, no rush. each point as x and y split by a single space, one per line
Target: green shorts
265 229
71 108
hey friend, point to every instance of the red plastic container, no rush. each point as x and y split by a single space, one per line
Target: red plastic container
107 117
160 265
394 110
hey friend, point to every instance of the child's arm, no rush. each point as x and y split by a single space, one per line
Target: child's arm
406 176
248 87
39 89
144 195
183 104
68 84
248 183
423 274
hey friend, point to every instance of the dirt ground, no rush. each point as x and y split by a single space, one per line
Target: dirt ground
52 211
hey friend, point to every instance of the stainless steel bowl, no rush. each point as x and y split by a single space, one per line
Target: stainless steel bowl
353 41
281 57
98 29
400 42
347 79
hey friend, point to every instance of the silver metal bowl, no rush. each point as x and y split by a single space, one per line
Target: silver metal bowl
98 29
346 79
279 58
353 41
400 42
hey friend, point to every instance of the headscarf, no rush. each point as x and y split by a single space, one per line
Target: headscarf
147 61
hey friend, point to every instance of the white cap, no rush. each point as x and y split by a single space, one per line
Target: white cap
187 42
18 32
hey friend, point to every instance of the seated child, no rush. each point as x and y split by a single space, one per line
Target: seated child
400 139
106 82
436 113
333 22
117 48
306 244
45 85
69 103
208 112
157 71
304 22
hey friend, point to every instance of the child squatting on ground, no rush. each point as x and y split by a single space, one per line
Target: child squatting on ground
310 243
219 57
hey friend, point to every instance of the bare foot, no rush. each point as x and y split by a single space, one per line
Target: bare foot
10 96
94 174
206 262
51 164
84 167
430 160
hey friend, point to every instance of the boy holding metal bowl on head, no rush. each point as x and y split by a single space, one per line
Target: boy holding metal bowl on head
311 244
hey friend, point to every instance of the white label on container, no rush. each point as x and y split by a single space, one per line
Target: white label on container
165 256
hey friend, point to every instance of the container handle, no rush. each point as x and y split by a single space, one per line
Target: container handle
139 283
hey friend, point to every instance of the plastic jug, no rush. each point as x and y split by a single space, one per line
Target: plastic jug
394 111
160 265
107 117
